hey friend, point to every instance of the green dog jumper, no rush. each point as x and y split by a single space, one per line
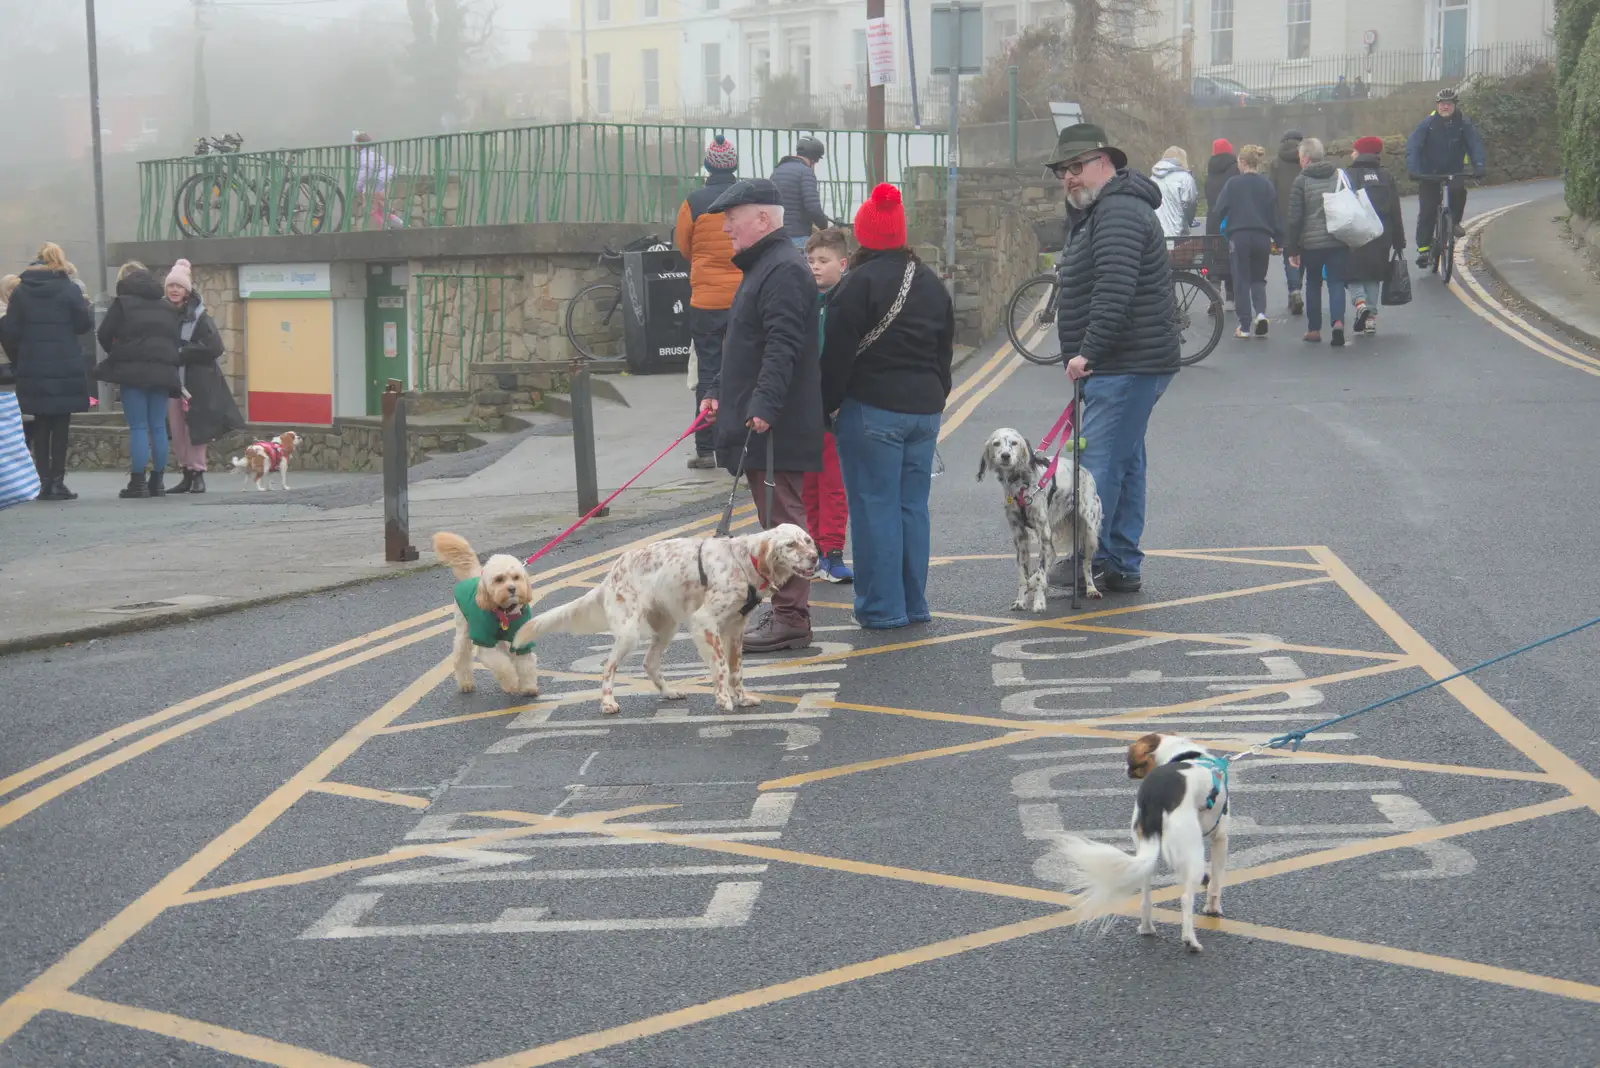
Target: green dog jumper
486 627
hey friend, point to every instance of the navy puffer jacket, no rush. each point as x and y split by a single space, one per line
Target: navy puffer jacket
41 332
1117 309
802 204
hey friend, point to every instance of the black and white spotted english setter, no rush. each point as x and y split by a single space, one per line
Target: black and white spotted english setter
1041 516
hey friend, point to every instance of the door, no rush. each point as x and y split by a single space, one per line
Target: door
1453 19
386 331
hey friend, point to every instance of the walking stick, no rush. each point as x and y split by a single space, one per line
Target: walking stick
724 527
1077 459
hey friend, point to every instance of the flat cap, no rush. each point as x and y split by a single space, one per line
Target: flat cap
749 191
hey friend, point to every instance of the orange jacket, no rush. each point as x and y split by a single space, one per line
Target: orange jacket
712 276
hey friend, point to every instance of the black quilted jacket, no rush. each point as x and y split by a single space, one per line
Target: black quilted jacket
1116 305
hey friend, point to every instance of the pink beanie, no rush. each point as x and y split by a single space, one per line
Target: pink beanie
180 274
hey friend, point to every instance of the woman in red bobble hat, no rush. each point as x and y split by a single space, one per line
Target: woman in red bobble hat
1368 266
889 338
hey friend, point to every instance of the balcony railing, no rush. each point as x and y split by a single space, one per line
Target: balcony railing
1364 74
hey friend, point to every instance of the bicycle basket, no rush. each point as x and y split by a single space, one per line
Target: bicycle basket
1199 252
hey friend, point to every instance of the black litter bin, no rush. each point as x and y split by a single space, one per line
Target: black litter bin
655 311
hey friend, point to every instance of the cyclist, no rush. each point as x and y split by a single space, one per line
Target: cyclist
1446 142
796 179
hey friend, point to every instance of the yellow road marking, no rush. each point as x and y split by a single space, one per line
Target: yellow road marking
1268 690
953 420
1461 969
1173 555
238 1043
367 793
791 781
1519 735
968 384
89 954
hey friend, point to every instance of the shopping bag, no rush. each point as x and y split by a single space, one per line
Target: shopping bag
1397 286
694 368
1350 215
19 479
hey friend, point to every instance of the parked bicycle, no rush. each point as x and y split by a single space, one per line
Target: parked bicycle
1442 255
590 314
220 199
1031 314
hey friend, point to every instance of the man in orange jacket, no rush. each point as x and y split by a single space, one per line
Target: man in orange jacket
713 279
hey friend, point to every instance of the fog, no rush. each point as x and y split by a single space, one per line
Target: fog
282 73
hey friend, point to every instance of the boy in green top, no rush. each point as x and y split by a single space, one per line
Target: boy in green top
827 514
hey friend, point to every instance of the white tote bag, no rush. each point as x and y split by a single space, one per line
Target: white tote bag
19 479
1350 215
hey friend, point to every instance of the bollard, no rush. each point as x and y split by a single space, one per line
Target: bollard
583 441
397 547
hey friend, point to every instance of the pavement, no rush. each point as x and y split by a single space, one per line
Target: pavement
282 836
1527 252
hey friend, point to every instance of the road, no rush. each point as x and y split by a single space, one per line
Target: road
281 836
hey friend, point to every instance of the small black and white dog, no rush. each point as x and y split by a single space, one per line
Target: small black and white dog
1183 800
1041 518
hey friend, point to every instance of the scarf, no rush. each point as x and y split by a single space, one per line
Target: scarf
191 319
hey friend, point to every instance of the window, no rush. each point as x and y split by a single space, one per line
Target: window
602 83
1299 29
863 72
711 65
602 10
1221 32
652 9
652 78
1453 23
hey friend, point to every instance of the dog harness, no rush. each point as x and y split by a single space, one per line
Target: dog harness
274 451
1219 774
485 626
752 593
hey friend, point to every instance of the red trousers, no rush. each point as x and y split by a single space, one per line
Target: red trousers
827 514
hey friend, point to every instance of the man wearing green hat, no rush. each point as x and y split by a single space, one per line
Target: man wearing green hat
1119 332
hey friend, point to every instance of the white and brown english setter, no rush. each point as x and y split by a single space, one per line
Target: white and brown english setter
1041 514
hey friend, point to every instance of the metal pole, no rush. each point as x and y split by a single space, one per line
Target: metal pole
397 547
583 441
877 141
99 173
583 59
1011 77
911 72
955 59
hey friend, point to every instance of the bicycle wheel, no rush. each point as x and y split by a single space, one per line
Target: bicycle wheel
1031 319
303 208
329 199
1200 316
1448 247
594 320
205 202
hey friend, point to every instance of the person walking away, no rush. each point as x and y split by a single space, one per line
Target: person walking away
1180 196
1309 244
1285 169
796 179
372 183
205 410
141 337
713 279
1248 211
44 319
1446 142
1119 331
827 510
886 377
768 394
1222 166
1368 265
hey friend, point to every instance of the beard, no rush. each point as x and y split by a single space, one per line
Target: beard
1082 199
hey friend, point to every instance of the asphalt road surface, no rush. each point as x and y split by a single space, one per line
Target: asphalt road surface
281 836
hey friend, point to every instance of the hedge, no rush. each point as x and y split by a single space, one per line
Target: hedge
1515 115
1581 134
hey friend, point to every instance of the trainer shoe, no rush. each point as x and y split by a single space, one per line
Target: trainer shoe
703 463
1424 256
1262 324
1362 315
1297 302
769 634
1115 582
832 568
1338 335
1372 323
1241 333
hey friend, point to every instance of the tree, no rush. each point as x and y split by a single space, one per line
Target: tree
445 34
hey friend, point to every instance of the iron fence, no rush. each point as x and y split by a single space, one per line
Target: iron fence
572 172
1359 75
461 320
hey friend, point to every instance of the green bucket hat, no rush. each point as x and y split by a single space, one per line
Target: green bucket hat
1080 140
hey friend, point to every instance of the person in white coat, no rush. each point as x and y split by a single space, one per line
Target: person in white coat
1180 196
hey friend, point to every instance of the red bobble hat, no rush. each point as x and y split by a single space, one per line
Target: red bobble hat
1221 145
1369 146
881 221
721 155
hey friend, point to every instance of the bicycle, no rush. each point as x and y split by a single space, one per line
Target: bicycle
202 200
603 295
1033 306
305 203
1443 252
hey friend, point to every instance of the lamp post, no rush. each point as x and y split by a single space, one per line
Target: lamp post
99 173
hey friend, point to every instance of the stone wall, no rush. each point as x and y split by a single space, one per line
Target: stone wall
1004 220
498 389
351 445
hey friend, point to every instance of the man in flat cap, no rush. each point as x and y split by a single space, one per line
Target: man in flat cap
1119 333
770 388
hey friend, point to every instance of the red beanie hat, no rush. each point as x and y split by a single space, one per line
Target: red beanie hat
1369 146
881 221
1221 145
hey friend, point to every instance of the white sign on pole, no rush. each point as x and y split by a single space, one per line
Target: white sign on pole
880 52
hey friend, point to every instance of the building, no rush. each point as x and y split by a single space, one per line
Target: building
633 50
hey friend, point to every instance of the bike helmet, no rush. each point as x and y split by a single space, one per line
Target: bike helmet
1447 95
810 148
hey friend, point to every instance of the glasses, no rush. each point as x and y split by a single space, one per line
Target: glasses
1075 168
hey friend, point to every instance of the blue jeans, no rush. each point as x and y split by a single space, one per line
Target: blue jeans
1116 411
887 462
1293 275
146 413
1324 264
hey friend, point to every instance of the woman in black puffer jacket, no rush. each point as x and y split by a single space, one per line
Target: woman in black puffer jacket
140 335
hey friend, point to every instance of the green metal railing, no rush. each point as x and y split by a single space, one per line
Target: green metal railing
575 172
461 320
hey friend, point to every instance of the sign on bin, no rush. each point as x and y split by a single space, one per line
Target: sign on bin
655 302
